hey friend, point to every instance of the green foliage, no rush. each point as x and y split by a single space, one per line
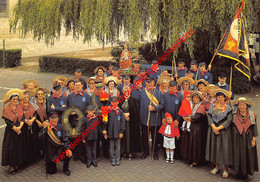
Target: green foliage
12 58
165 20
66 65
116 53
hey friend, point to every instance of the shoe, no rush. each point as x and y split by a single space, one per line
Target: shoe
67 172
167 160
215 171
118 163
95 164
182 128
83 160
172 161
113 164
144 155
225 174
155 156
88 164
188 130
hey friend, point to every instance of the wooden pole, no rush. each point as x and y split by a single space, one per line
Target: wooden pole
172 68
175 69
230 82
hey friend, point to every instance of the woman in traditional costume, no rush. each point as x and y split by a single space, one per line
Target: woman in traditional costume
100 73
111 83
185 84
219 143
30 129
41 116
193 143
244 133
91 88
163 83
209 98
70 86
12 144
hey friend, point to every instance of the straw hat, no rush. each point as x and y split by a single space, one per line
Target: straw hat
111 78
180 80
210 86
242 99
227 93
100 67
91 78
161 79
45 90
197 93
59 77
201 80
25 83
13 92
31 93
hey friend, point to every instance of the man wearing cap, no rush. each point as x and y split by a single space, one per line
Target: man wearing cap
181 71
109 71
81 99
155 73
194 67
91 138
78 74
95 97
151 100
190 74
56 101
142 75
126 84
203 73
57 145
222 83
164 73
115 73
172 104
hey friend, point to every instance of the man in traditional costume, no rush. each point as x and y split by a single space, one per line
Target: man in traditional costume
57 145
151 103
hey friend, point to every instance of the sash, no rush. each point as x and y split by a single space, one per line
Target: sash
152 98
53 137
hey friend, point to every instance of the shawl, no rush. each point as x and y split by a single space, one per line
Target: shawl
223 112
13 114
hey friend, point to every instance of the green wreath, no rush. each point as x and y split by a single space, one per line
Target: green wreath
72 132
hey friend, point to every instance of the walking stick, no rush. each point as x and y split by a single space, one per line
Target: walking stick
175 68
197 74
148 119
155 129
172 68
230 82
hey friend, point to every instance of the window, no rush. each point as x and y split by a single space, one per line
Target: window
4 9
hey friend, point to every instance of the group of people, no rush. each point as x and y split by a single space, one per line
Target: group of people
188 117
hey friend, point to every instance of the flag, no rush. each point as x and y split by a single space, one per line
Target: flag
234 44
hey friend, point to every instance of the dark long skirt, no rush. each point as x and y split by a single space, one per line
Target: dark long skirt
12 148
245 156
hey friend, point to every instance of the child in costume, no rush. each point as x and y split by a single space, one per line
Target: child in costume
169 132
185 111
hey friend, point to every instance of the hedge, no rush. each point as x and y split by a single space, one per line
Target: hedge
65 65
12 58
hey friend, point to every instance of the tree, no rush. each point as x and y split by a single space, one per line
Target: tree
166 20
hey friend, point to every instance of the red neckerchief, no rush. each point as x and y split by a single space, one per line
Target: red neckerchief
79 93
194 69
13 115
28 111
53 127
77 78
203 72
91 117
155 68
136 70
150 90
109 72
114 108
181 68
173 93
55 96
41 110
240 125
